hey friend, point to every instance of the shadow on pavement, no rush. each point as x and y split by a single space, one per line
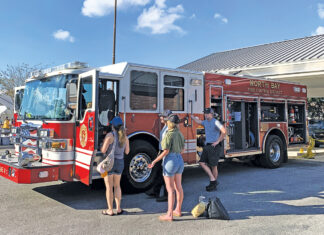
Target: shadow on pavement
294 189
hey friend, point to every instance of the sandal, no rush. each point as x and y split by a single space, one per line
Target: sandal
176 214
105 212
164 218
119 213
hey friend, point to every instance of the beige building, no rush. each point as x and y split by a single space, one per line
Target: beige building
298 60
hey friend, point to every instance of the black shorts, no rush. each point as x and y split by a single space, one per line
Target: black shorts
211 155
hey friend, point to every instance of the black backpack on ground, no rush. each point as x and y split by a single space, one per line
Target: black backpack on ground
216 210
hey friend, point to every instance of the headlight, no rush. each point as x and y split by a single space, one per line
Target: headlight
46 133
58 145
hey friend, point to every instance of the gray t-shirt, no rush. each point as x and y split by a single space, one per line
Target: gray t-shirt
212 130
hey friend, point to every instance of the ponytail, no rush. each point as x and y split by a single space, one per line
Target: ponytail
121 135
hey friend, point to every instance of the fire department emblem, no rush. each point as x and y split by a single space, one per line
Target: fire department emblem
83 135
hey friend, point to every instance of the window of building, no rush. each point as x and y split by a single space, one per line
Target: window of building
143 90
174 93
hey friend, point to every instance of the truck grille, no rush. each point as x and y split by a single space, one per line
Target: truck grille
29 140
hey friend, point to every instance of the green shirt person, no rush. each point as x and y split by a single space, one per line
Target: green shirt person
172 146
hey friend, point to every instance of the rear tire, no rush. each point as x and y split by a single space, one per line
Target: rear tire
274 152
136 176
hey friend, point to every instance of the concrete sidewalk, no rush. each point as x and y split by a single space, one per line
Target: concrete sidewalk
294 152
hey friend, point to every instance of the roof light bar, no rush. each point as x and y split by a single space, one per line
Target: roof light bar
71 65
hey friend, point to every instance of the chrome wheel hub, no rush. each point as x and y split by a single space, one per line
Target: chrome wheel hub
274 152
138 167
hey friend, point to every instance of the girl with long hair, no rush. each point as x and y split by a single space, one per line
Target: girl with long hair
112 178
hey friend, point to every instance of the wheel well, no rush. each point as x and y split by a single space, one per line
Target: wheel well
148 138
278 133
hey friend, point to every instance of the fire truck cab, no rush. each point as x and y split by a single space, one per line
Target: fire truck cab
65 116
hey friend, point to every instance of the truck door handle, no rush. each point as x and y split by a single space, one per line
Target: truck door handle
90 124
191 112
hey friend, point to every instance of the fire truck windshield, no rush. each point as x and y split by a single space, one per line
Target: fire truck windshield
45 99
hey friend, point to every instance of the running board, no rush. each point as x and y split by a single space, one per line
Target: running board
242 154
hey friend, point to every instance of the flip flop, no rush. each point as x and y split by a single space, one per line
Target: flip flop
162 218
105 212
119 213
175 214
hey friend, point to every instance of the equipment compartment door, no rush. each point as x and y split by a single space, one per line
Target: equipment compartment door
85 138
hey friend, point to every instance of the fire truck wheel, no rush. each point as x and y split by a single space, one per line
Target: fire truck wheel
137 176
274 152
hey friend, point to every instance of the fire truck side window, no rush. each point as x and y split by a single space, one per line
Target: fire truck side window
173 93
85 101
271 112
143 90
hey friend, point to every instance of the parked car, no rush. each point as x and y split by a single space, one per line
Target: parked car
316 131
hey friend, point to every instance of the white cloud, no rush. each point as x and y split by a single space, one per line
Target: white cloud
220 17
160 3
93 8
320 10
193 16
63 35
159 19
319 30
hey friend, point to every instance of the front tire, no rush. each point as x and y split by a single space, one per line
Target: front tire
274 152
137 176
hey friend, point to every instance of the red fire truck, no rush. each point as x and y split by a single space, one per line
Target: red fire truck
65 115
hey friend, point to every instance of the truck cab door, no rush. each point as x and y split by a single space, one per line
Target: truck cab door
85 137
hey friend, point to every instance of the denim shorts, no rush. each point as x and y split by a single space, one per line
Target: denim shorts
172 164
117 168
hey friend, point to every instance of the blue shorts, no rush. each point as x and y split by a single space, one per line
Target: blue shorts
172 164
117 168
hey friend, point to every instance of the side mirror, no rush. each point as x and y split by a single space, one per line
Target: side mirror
71 95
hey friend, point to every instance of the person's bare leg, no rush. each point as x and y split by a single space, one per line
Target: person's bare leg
215 172
118 193
108 179
179 192
207 170
169 183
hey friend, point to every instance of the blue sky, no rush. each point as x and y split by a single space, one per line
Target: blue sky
166 33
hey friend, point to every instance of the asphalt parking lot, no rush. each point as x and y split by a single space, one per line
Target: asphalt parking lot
286 200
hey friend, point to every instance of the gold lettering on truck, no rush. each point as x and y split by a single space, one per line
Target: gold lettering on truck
264 85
